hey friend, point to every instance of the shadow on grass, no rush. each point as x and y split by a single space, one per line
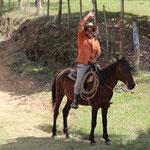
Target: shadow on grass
79 133
77 143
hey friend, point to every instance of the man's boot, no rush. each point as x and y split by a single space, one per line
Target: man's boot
75 102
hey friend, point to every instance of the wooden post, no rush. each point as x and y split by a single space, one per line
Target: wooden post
69 15
80 10
121 29
136 47
106 30
95 18
48 2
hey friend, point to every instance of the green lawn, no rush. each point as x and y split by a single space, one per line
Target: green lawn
27 127
134 7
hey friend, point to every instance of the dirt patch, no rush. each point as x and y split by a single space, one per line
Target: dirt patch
14 86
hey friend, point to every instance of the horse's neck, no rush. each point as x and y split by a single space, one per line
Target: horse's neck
109 76
113 81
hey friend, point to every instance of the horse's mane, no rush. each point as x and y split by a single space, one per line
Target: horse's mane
106 73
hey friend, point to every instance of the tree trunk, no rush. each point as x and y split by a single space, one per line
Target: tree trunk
20 4
9 3
95 10
106 31
28 5
39 8
2 3
58 21
96 17
48 3
121 29
36 2
80 10
68 14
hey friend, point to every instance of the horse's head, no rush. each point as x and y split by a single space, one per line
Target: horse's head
124 73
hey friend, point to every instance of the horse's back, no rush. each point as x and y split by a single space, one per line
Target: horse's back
64 73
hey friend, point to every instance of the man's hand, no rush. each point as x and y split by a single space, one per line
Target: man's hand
84 20
91 14
92 61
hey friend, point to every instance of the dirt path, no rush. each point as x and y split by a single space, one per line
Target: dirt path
22 126
13 86
9 82
6 85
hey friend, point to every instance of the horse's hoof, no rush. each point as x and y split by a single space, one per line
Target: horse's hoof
92 144
68 136
54 136
108 143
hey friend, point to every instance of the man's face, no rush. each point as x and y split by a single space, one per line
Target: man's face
89 32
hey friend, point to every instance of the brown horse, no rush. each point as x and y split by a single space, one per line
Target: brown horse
108 77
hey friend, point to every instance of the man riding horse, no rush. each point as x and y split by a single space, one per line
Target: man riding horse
88 52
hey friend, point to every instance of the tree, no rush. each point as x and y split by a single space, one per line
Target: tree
2 3
69 14
58 20
36 2
95 10
28 5
121 29
9 3
39 8
96 16
48 3
80 10
20 4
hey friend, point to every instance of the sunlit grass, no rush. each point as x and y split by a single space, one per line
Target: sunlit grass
134 7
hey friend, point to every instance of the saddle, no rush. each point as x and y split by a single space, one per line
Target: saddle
89 74
73 76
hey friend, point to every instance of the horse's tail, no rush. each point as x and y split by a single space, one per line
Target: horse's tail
54 91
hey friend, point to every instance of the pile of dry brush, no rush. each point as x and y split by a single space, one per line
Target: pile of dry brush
43 41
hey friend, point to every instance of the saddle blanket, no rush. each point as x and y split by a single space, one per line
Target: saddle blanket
73 76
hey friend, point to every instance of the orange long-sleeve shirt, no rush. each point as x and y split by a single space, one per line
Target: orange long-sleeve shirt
87 48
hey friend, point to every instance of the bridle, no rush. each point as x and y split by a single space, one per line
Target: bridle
113 90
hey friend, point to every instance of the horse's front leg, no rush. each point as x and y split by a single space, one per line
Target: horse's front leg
65 115
104 121
93 125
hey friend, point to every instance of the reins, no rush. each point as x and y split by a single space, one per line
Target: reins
125 91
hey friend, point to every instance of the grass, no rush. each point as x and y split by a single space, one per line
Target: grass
28 127
25 126
135 7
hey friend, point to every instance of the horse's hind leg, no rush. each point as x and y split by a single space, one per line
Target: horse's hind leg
65 115
56 112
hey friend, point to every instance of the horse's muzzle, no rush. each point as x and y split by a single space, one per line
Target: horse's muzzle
131 85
